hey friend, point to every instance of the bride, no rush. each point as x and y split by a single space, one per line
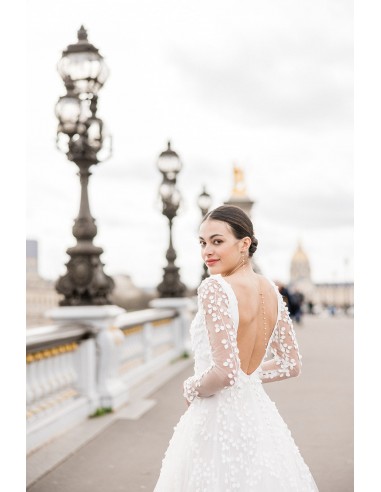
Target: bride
231 437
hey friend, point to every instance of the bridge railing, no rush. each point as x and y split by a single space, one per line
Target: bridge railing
74 369
60 373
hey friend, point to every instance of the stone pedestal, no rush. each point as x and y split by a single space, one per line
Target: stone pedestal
108 341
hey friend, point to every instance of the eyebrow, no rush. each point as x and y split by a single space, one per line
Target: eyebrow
212 236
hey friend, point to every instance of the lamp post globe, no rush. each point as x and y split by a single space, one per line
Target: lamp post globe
169 163
80 135
82 63
68 111
204 202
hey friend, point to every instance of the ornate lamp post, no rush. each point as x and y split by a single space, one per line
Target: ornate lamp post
169 165
204 202
81 136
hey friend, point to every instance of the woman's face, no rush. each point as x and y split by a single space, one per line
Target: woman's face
220 249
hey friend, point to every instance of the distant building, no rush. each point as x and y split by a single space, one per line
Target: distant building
42 296
336 294
327 294
40 293
300 273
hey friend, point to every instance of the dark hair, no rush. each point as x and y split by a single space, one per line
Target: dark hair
238 220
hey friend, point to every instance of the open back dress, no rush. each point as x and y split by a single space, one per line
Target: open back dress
231 437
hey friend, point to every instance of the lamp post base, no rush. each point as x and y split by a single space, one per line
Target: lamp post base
171 286
85 283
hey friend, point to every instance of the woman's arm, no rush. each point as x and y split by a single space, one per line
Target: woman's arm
223 342
286 361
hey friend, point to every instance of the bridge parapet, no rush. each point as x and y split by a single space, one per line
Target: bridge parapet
91 359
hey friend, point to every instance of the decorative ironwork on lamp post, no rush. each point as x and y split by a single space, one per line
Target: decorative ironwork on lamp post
82 137
169 164
204 202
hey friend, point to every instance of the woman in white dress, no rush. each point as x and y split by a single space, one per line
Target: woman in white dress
231 437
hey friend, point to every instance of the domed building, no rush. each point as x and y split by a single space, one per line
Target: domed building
322 295
300 273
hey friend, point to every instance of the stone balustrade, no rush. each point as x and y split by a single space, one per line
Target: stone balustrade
91 358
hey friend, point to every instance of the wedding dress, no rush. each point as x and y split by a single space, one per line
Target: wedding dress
231 437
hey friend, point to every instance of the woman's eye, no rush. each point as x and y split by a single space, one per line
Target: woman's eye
216 242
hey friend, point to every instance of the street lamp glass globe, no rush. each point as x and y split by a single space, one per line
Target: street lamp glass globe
176 197
94 133
105 151
169 162
62 141
166 190
204 201
82 64
68 111
86 69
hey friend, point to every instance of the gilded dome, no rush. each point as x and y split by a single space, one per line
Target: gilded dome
300 266
299 255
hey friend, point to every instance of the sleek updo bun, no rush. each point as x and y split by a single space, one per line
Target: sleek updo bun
239 222
253 245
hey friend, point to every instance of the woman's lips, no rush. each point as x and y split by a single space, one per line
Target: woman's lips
211 262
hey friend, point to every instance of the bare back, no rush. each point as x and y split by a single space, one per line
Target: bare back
258 312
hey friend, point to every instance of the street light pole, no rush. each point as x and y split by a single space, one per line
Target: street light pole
169 165
81 136
204 202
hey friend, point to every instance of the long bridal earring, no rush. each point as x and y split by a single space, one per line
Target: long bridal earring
243 258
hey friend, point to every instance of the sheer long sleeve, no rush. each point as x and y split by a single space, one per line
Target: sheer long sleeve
222 373
286 360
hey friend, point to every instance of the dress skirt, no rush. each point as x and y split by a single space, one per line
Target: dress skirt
235 440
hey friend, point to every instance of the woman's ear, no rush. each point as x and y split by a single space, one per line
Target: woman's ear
245 245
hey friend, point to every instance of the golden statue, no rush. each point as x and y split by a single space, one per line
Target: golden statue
239 188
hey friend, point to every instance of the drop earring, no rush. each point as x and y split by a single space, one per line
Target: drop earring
242 258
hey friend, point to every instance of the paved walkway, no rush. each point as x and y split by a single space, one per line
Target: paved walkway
125 453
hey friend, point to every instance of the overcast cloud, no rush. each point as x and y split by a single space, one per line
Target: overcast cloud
267 85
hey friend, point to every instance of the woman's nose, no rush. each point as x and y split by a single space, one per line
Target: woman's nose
208 250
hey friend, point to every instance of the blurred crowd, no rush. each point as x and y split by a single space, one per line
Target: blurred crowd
298 305
294 301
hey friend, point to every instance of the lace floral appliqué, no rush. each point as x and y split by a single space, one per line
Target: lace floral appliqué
223 371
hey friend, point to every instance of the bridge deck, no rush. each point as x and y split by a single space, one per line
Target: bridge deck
123 451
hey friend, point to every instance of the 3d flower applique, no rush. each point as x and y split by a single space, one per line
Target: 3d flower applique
225 343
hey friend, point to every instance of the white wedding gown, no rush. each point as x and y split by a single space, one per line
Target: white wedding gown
231 437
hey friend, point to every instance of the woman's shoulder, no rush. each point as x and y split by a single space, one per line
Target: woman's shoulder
211 281
212 284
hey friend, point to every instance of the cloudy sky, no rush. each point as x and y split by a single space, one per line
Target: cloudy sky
265 85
